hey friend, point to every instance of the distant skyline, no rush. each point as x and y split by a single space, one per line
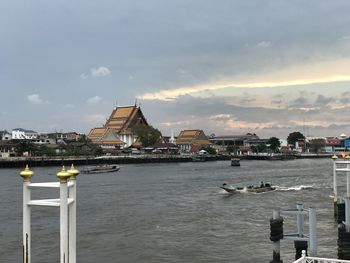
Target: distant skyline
228 67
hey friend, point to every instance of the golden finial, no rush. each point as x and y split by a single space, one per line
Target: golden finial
63 175
73 172
26 174
334 157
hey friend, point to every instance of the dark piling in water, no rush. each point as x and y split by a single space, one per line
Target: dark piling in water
343 243
299 247
276 234
340 212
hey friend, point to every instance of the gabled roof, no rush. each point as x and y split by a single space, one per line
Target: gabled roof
104 136
96 133
122 118
23 130
192 137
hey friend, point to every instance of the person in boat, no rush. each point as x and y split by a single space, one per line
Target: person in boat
262 184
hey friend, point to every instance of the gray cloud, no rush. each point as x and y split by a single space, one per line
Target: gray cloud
323 100
153 45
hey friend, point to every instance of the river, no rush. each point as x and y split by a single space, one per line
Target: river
173 212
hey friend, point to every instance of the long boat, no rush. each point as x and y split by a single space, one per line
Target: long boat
261 188
104 168
267 187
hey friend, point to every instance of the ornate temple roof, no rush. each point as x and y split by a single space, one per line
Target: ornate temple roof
120 122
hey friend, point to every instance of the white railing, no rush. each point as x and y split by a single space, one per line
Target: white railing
67 204
305 259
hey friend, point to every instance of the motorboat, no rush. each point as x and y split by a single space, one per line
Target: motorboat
262 188
228 188
235 162
103 168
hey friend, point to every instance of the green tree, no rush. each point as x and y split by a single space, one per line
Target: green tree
84 139
44 150
294 137
209 150
25 146
274 143
260 148
147 134
232 148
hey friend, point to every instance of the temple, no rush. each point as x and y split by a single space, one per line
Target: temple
192 140
117 132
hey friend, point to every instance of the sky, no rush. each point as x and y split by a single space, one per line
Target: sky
228 67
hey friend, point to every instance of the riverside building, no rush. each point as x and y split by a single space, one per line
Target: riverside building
117 132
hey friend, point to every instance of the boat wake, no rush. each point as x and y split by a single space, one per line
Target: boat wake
294 188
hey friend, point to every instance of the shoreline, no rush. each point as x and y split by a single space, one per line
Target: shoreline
80 161
20 162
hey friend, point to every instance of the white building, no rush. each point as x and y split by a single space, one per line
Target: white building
23 134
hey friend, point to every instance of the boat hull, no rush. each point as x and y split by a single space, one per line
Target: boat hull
235 162
101 169
229 190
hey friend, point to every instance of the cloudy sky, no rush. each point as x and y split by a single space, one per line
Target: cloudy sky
227 66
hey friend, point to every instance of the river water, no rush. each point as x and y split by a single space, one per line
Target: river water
173 212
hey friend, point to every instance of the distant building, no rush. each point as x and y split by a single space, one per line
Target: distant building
43 139
234 140
192 140
300 145
7 148
255 142
23 134
5 135
117 132
334 144
63 137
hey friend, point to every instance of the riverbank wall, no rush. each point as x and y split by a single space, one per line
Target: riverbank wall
19 162
82 161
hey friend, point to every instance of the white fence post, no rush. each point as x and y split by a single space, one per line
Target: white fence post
26 174
67 204
72 215
63 175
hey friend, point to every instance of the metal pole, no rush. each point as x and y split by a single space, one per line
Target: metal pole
26 174
72 215
63 175
276 256
347 179
347 214
335 188
312 231
300 220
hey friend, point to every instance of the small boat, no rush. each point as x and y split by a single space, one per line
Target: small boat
228 188
104 168
262 188
199 158
235 162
